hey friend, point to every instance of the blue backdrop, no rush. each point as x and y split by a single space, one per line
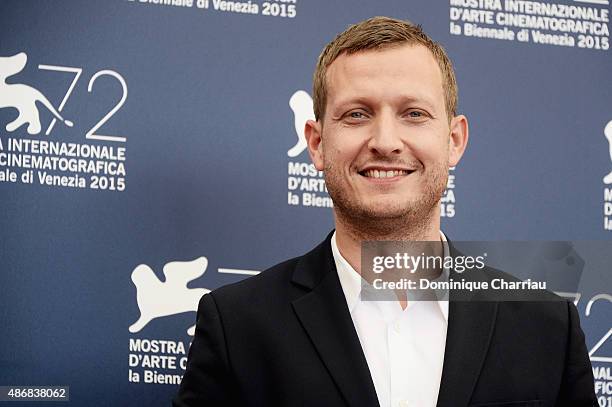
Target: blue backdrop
175 167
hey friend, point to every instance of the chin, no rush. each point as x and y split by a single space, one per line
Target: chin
385 209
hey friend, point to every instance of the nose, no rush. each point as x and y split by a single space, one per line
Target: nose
386 136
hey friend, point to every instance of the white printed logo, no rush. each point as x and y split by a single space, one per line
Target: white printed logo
301 104
159 299
608 133
53 162
22 97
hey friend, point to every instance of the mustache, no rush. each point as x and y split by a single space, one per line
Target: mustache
413 164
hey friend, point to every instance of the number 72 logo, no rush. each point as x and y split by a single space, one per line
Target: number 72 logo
575 297
91 133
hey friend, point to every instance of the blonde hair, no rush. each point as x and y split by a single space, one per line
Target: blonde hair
378 33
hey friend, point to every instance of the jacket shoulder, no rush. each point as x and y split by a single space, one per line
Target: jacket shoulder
280 283
538 307
271 284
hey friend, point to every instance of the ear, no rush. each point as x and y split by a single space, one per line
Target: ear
457 142
312 131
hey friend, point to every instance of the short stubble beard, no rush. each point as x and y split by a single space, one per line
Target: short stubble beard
410 222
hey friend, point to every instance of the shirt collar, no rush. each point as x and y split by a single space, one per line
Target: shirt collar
351 281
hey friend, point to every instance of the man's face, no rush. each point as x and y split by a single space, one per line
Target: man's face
384 142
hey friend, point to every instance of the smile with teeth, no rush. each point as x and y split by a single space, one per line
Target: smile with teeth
384 174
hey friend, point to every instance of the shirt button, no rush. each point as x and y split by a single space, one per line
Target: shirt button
402 403
397 329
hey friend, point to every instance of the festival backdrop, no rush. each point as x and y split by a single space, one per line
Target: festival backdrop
152 150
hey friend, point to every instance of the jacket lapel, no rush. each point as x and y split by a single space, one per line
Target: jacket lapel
325 317
470 328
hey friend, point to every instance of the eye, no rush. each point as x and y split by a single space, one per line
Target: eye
356 115
417 115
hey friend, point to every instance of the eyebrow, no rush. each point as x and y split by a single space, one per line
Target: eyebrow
401 100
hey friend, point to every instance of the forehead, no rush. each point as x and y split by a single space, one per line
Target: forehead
403 71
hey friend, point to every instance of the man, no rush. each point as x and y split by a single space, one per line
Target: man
385 134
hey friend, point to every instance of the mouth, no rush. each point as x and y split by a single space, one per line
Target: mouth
385 173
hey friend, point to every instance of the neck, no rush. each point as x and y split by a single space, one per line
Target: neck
351 233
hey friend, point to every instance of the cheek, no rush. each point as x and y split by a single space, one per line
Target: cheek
431 152
336 158
432 147
342 148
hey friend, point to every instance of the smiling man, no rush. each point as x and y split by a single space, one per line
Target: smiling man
385 135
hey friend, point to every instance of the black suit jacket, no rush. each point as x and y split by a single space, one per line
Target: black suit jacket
286 338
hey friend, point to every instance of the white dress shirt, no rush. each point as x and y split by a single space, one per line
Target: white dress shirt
404 348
